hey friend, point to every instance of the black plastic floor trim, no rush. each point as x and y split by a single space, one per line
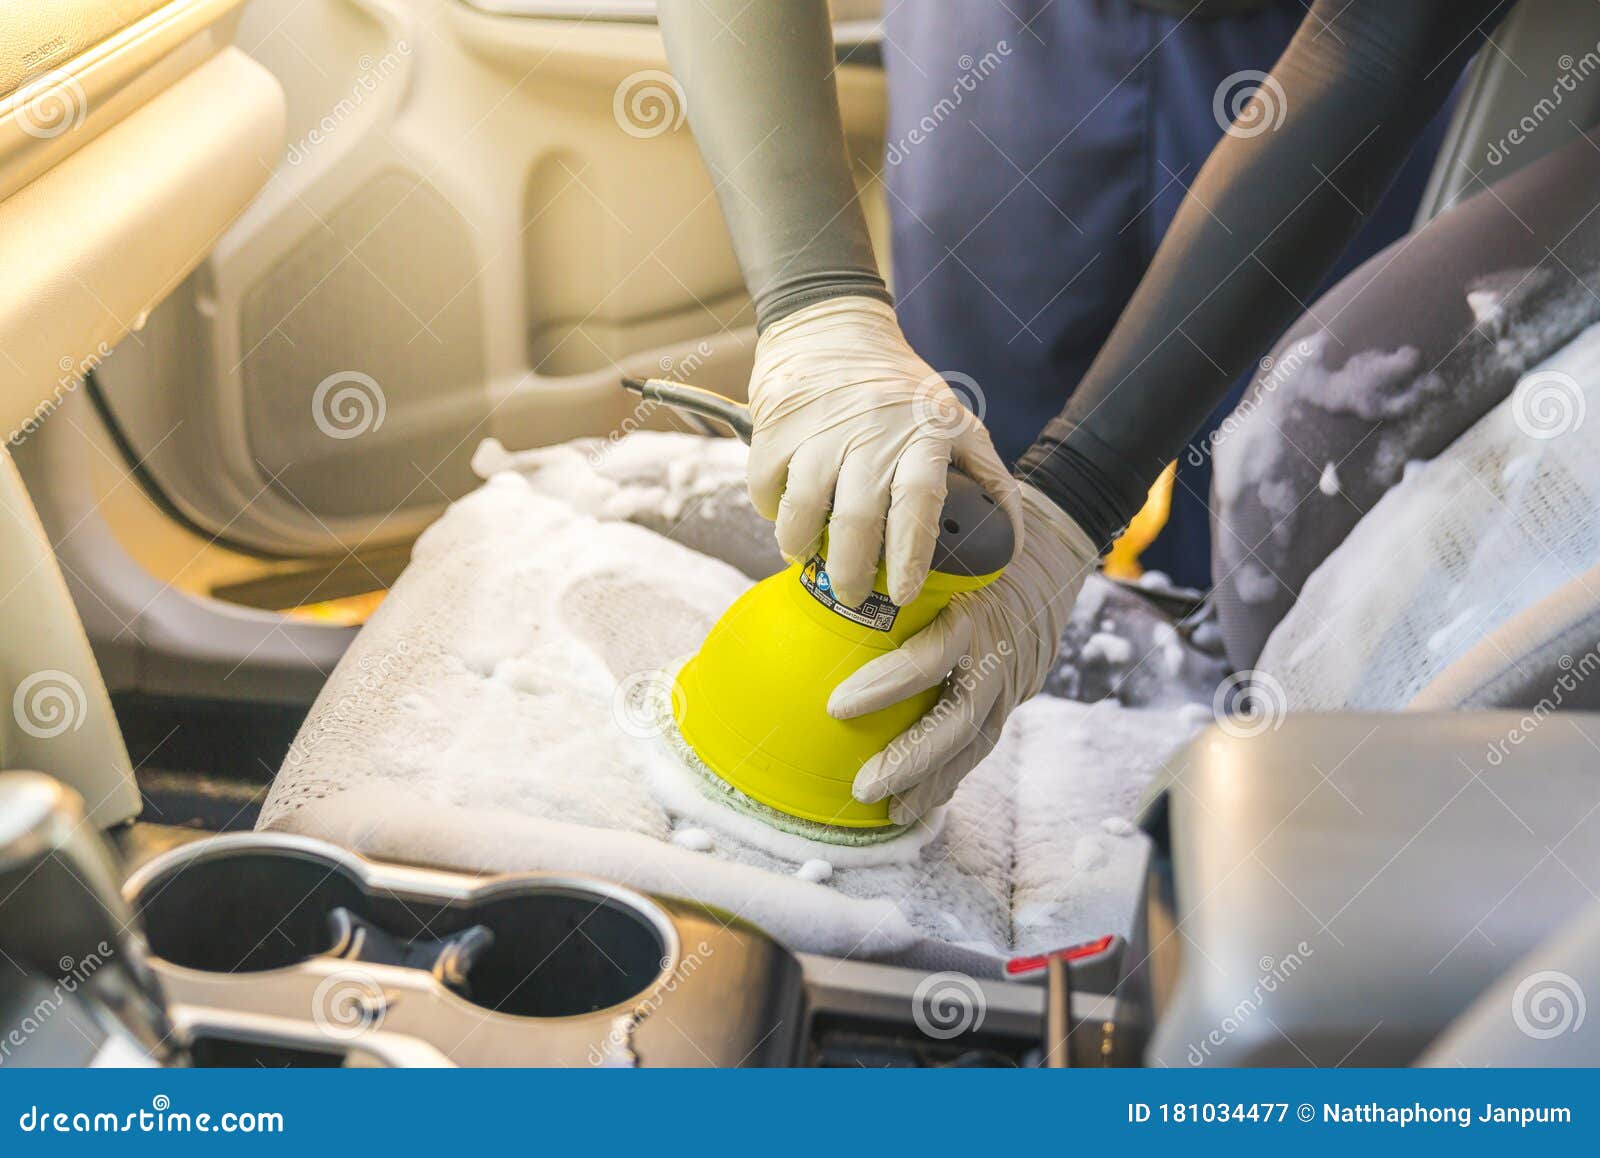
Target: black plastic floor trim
227 740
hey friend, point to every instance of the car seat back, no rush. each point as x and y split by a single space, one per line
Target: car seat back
1480 309
1475 572
1525 97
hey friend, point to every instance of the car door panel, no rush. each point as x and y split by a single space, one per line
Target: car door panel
471 232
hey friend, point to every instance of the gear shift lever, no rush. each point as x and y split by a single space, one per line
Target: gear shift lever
62 913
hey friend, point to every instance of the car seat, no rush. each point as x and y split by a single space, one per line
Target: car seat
1405 486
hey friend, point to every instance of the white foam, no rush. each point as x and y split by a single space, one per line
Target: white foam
1107 648
504 734
816 871
683 793
1486 305
1462 543
1328 481
695 839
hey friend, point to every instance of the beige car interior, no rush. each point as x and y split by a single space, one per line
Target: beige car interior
211 209
467 219
131 136
458 220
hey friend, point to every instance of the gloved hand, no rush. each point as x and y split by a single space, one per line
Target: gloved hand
847 417
996 645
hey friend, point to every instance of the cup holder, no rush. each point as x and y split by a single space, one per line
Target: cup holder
244 911
561 946
565 950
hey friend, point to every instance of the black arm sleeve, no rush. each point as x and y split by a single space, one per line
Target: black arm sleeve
758 81
1264 222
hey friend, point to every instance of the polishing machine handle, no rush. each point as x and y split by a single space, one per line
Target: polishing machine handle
975 537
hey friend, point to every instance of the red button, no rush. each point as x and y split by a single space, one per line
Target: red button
1019 965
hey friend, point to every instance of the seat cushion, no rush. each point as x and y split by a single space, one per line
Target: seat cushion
1539 659
483 720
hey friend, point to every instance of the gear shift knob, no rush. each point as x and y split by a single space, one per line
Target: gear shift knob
63 918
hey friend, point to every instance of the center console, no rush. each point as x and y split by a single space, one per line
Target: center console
1339 889
279 949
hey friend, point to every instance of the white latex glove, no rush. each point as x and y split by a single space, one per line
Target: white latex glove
853 431
996 647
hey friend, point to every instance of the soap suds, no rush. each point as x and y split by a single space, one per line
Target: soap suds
1170 649
1447 637
1463 543
819 872
1328 483
1206 635
687 487
1374 412
1107 648
695 839
504 734
1516 468
1486 306
1255 584
1088 854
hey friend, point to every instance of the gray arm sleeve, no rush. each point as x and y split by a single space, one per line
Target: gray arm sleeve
758 82
1267 218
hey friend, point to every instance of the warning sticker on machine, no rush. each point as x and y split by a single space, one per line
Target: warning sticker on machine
878 611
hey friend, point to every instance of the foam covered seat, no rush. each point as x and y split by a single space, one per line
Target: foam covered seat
1469 583
1386 372
488 718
